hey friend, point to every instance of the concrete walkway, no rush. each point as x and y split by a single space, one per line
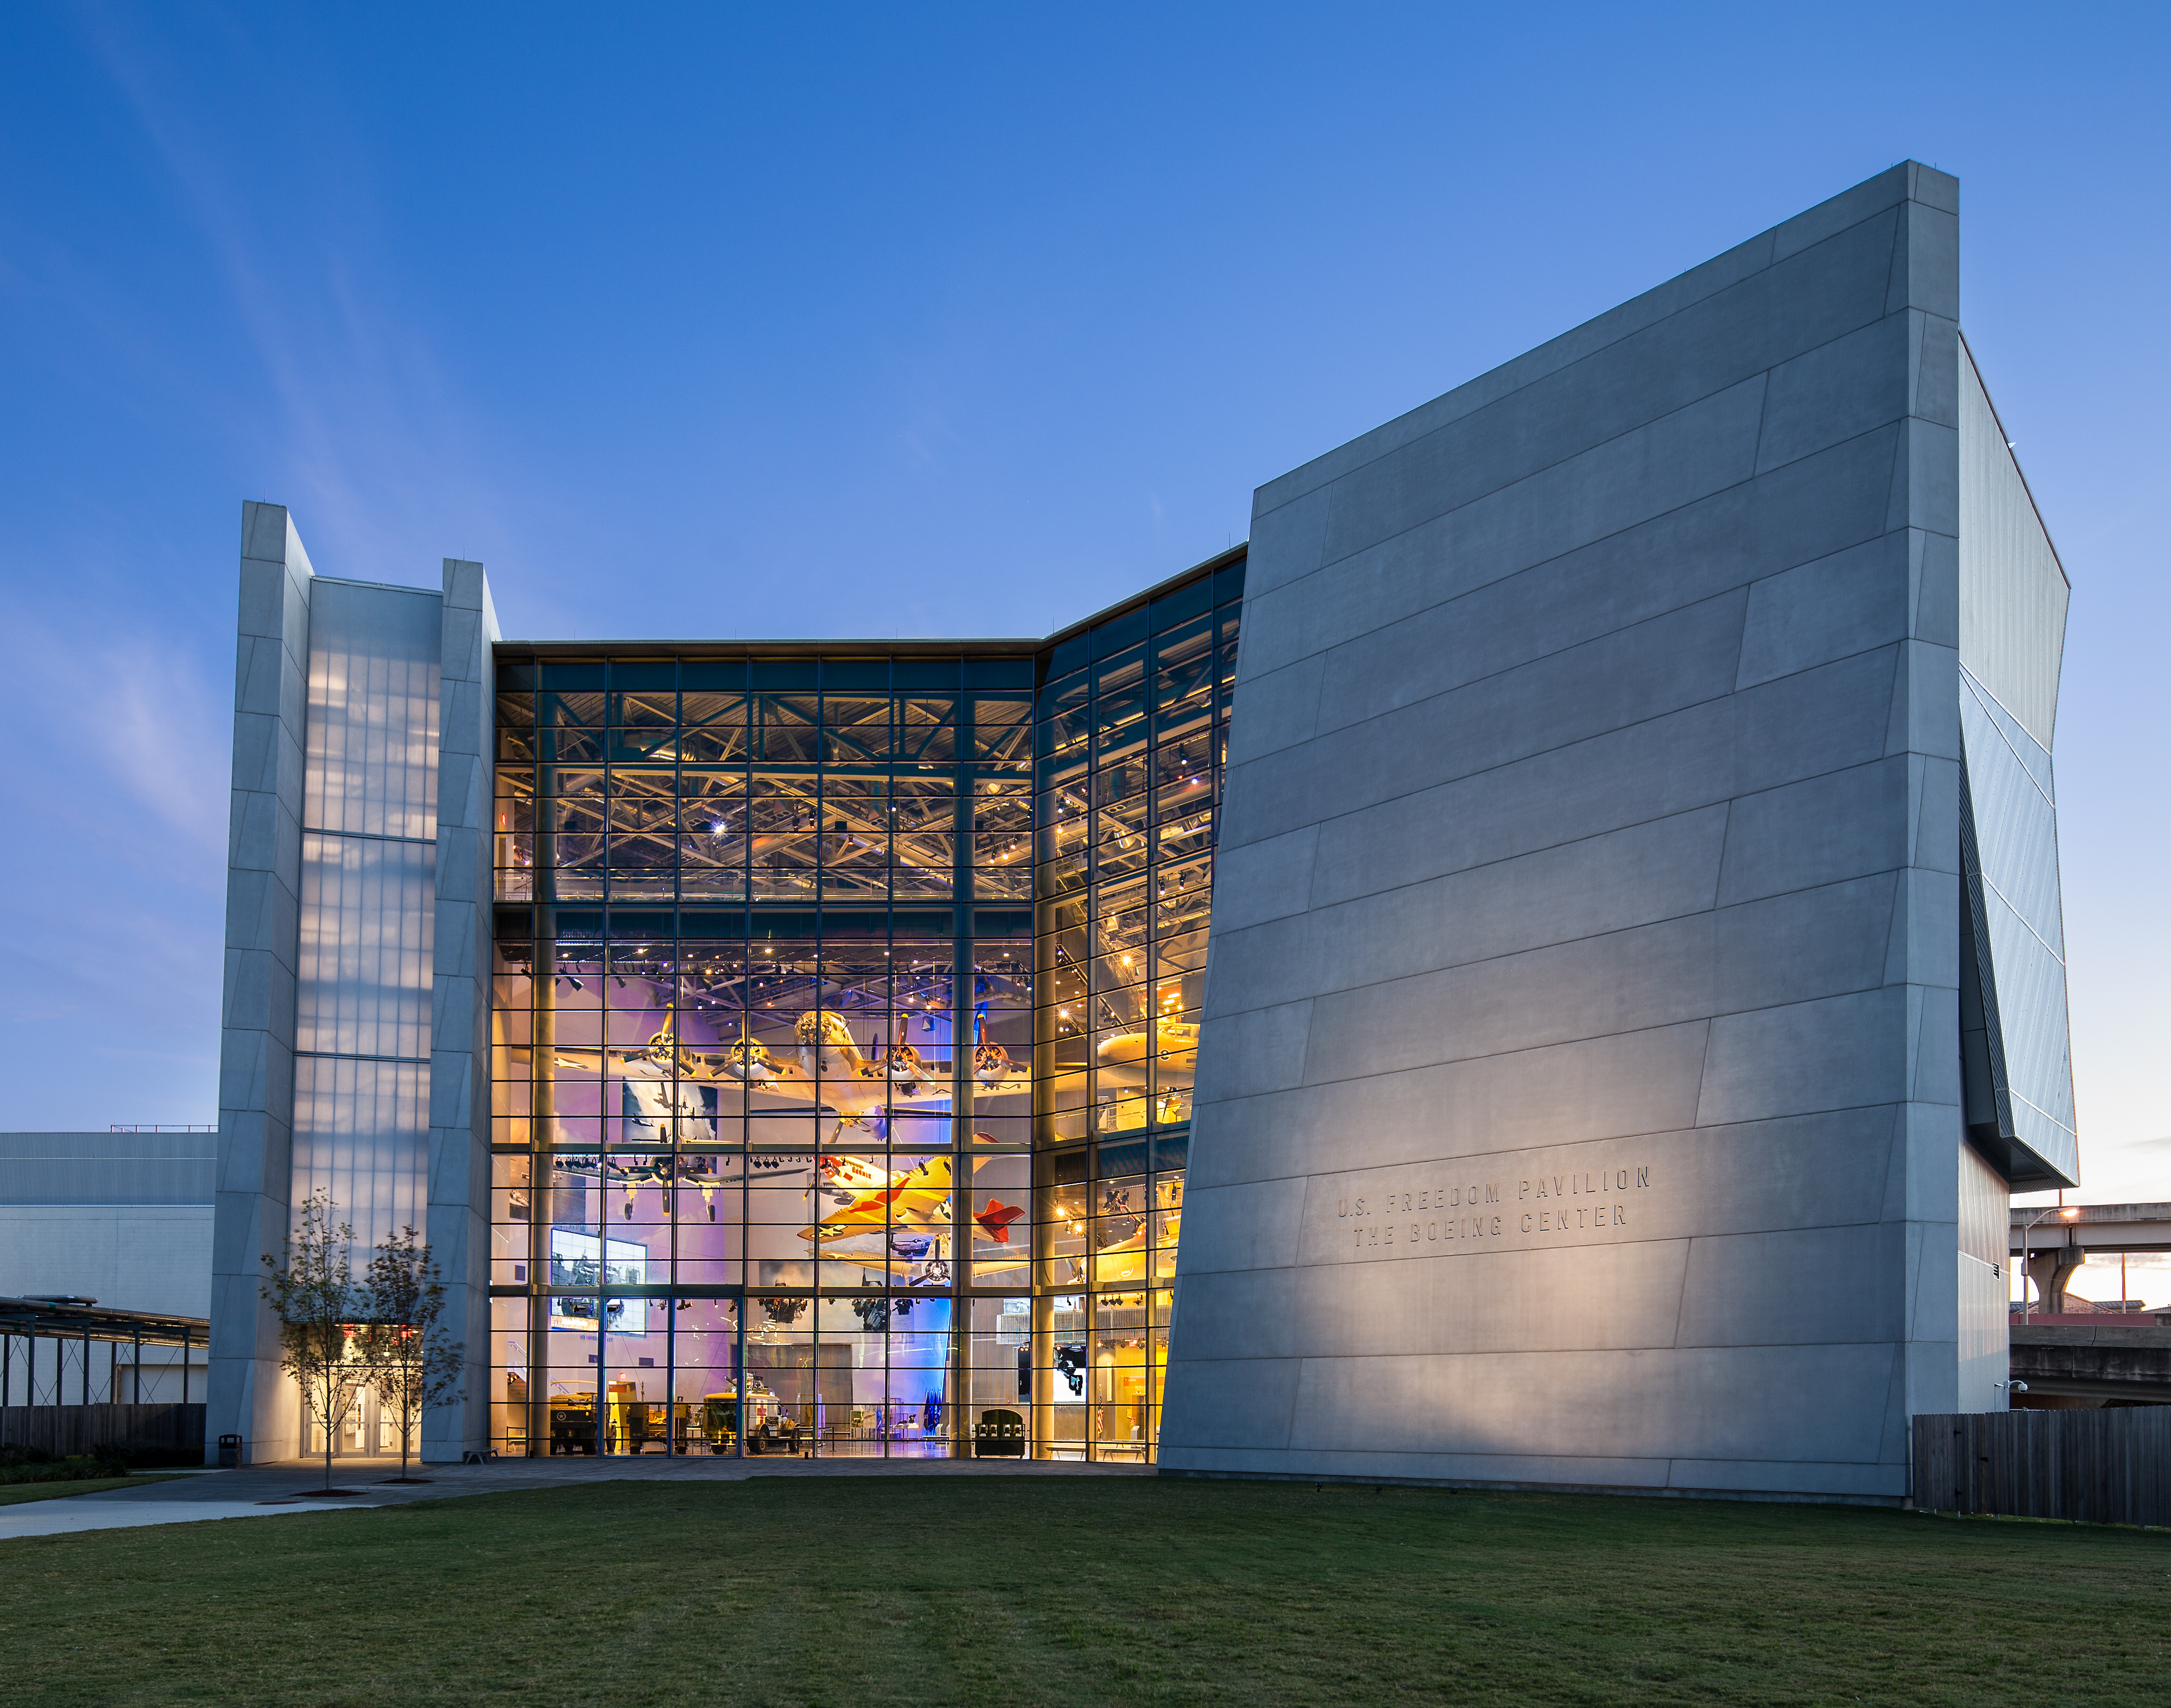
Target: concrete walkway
266 1491
66 1515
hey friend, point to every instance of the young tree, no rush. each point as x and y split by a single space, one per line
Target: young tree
313 1292
413 1364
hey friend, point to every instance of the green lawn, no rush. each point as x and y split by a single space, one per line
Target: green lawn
1085 1592
14 1494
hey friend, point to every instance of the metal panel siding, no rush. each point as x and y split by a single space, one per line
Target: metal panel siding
2016 836
2012 600
2012 591
1984 1352
107 1167
1983 1199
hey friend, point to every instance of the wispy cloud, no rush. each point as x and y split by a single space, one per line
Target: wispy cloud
114 950
372 448
166 741
150 735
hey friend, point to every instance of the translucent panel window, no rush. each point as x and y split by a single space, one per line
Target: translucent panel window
370 762
361 1133
368 908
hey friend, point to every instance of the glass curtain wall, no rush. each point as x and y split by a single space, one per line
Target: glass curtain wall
763 1044
786 1159
1129 746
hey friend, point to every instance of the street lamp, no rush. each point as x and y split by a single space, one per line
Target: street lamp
2069 1212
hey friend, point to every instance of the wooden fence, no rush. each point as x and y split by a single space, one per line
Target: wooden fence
2100 1466
61 1430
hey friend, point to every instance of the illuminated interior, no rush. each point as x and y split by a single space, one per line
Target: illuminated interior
845 1018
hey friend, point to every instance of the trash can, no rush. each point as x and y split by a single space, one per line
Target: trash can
229 1453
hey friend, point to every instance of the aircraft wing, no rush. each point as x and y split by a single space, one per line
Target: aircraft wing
902 1207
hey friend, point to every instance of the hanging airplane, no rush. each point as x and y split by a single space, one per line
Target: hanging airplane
832 1071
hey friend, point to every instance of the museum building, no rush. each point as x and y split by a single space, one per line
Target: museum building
1620 794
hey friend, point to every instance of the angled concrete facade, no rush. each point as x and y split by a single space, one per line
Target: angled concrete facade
1581 1085
263 939
458 1226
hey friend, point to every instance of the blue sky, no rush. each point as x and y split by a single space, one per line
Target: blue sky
701 320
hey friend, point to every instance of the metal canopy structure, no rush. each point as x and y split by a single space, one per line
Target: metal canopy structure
64 1319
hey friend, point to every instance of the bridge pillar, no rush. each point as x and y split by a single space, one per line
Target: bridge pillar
2051 1269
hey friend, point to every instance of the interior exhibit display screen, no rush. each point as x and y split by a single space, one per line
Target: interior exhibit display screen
583 1259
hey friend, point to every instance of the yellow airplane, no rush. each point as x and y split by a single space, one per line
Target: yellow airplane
1129 1259
1174 1042
870 1199
663 1056
1126 1260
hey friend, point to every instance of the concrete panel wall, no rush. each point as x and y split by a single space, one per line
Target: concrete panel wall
256 1039
1578 1090
459 1230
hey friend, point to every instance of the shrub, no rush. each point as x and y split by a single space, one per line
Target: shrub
31 1464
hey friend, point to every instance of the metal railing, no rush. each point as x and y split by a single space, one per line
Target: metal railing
153 1127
